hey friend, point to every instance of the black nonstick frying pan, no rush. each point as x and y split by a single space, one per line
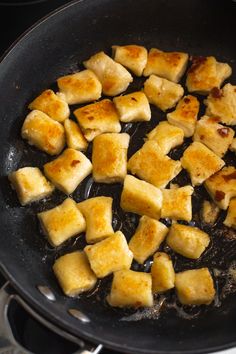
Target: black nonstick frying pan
57 46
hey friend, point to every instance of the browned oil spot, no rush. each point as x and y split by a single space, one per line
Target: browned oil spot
74 163
229 177
219 195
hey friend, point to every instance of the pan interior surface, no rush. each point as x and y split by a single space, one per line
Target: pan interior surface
55 47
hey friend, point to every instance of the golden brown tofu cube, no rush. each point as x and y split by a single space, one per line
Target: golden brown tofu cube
81 87
170 65
133 57
133 107
74 274
222 186
74 136
113 76
51 104
163 274
177 203
141 198
188 241
185 115
167 136
206 73
109 255
195 287
147 238
131 289
215 136
98 214
150 164
62 222
200 162
30 184
43 132
68 170
209 212
230 219
109 157
97 118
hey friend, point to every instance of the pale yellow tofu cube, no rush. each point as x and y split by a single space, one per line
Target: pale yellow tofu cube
233 145
221 103
113 76
97 118
205 74
162 93
152 165
74 274
62 222
109 157
109 255
230 219
131 289
51 104
98 215
147 238
170 65
195 287
68 170
30 184
177 203
43 132
209 212
133 107
141 198
185 115
81 87
163 274
133 57
222 186
214 135
188 241
167 136
200 162
74 136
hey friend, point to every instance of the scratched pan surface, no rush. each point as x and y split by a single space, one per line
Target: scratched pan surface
55 47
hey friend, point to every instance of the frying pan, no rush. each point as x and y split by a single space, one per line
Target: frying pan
57 46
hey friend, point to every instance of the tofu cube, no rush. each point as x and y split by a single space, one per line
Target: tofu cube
109 157
162 93
163 274
68 170
170 65
188 241
131 289
167 136
147 238
113 76
133 57
81 87
221 103
177 203
98 215
133 107
230 219
233 145
205 74
141 198
150 164
74 136
74 274
43 132
222 186
30 184
97 118
109 255
51 104
200 162
62 222
185 115
215 136
195 287
209 212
